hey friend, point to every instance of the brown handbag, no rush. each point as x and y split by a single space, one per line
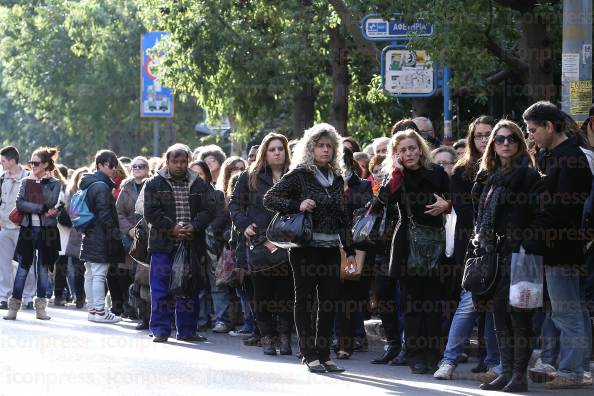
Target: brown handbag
16 216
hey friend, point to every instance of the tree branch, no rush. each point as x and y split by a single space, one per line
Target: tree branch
496 78
506 56
351 23
518 5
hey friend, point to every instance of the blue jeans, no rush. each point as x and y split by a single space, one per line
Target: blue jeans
164 306
248 318
571 318
550 341
461 330
41 273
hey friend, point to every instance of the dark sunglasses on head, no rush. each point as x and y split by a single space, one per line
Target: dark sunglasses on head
35 163
500 139
138 166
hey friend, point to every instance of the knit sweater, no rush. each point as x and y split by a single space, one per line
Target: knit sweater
330 215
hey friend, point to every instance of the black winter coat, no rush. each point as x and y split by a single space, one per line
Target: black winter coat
102 240
420 186
159 211
330 215
566 184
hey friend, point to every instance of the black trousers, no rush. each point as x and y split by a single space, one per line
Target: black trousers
422 307
274 299
60 277
118 283
317 278
384 288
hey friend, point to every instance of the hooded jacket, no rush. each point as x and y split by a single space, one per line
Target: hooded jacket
102 240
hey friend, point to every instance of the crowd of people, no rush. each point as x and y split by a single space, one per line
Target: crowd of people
181 241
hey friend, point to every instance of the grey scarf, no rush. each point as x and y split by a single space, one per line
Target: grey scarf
325 181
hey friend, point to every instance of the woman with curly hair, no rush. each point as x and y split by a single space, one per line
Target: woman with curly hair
315 185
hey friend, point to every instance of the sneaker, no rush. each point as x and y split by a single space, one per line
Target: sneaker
29 306
240 332
542 372
587 378
3 304
91 315
106 317
561 382
59 302
445 371
220 327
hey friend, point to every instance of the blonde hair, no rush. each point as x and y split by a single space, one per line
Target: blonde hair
425 159
260 161
490 160
304 150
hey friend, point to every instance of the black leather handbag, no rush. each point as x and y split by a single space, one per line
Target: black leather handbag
260 257
480 271
290 230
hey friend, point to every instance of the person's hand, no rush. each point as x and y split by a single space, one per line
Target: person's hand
177 229
250 231
398 163
52 212
437 208
352 265
131 233
187 231
307 206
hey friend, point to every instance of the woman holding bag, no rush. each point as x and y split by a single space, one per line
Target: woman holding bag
505 210
421 190
269 266
37 200
315 185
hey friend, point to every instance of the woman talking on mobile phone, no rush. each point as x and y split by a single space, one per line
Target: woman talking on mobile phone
421 190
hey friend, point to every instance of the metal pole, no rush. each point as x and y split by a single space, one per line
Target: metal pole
576 76
156 151
447 105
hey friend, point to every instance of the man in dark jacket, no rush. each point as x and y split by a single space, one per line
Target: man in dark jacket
102 242
178 206
558 239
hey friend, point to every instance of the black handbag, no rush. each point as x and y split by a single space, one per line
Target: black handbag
481 269
291 230
260 257
426 244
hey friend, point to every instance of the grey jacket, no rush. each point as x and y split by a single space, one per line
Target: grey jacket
9 189
51 194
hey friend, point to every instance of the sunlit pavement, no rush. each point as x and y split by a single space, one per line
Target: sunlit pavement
70 356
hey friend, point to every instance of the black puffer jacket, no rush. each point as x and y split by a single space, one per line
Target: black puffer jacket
102 240
330 215
159 210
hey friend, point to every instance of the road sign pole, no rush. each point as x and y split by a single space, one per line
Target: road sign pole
156 150
447 104
576 76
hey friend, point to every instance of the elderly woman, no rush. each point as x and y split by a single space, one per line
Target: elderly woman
315 185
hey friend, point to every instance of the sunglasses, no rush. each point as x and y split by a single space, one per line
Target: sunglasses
500 139
35 163
138 166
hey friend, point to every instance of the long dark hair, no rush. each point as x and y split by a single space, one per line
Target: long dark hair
349 161
470 161
260 161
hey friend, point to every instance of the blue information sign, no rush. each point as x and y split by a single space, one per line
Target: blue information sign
374 28
155 99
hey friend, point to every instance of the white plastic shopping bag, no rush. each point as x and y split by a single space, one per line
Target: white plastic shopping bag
527 278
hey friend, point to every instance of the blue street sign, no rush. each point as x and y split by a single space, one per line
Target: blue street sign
155 99
374 28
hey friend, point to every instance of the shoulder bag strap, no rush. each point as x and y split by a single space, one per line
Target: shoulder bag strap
407 205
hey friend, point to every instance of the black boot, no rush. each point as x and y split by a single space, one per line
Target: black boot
389 353
285 344
268 346
506 354
522 351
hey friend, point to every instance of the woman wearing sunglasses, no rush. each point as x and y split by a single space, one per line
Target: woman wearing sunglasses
505 210
37 200
126 201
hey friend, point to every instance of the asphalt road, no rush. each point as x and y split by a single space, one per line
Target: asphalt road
70 356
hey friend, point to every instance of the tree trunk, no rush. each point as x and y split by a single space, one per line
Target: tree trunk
339 112
536 52
304 109
170 132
